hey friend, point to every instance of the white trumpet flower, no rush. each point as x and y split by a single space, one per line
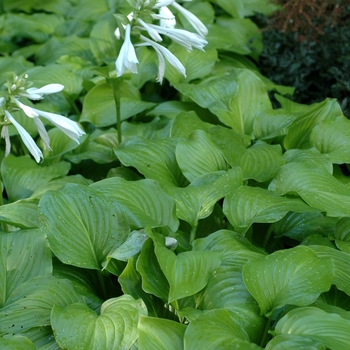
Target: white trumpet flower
195 22
37 94
166 17
69 127
162 3
127 56
162 52
26 138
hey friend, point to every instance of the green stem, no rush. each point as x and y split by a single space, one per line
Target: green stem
102 283
193 234
267 236
116 95
265 333
71 103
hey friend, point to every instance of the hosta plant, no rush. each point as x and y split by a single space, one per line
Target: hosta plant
191 214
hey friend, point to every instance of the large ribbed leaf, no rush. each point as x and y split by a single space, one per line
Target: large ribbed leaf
31 303
78 327
248 204
22 176
144 202
197 200
25 254
315 186
198 155
298 135
271 123
99 106
83 225
160 334
23 213
261 161
187 272
331 330
217 330
341 260
155 159
333 138
294 342
295 276
16 343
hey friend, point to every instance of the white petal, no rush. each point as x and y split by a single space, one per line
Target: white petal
29 111
127 56
162 3
5 135
161 50
151 31
27 139
69 127
167 18
43 133
195 22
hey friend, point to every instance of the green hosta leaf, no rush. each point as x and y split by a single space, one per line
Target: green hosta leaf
99 106
226 290
341 262
16 343
272 123
294 342
56 47
197 200
198 64
155 159
160 334
78 327
84 221
187 272
31 303
299 226
25 254
144 202
331 330
261 161
131 247
251 98
23 213
103 43
22 176
311 156
299 132
333 138
187 122
153 278
42 338
238 35
217 330
36 26
315 186
248 204
295 276
237 250
198 155
233 145
233 7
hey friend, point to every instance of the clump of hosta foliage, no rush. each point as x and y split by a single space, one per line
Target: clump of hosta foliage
217 222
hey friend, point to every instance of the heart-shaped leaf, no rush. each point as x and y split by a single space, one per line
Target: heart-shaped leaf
25 254
85 221
248 204
331 330
159 334
295 276
187 272
198 155
31 303
293 342
144 202
78 327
